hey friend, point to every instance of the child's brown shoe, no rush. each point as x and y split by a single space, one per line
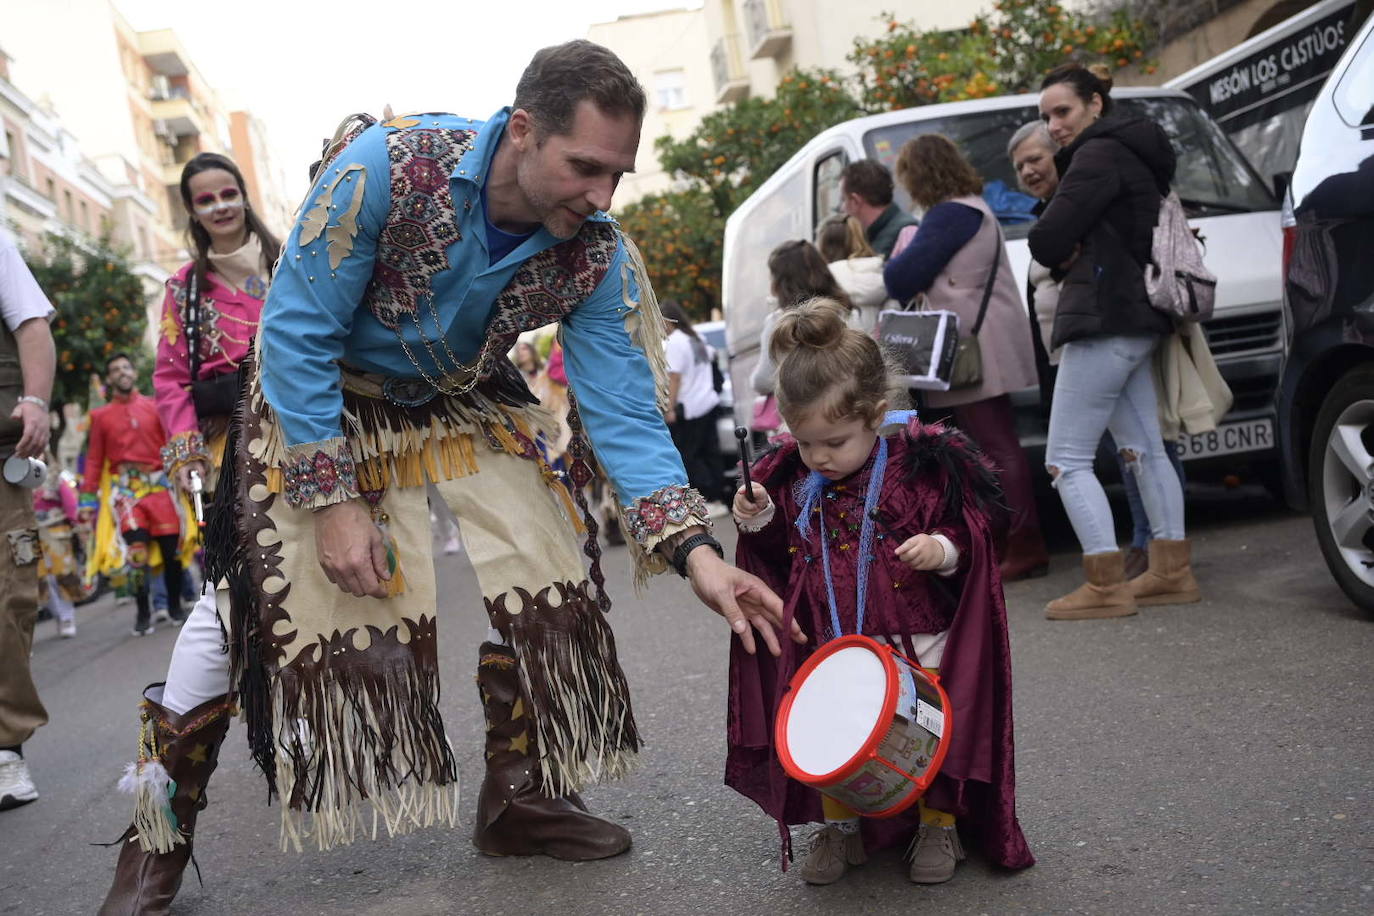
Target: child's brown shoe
934 853
832 852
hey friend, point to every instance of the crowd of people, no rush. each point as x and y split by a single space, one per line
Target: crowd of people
321 423
1088 346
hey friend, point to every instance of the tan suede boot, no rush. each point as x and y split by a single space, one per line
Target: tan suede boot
832 852
1105 594
1169 579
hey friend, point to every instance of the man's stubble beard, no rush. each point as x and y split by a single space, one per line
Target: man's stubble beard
549 212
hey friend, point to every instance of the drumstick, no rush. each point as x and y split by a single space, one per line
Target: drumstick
745 459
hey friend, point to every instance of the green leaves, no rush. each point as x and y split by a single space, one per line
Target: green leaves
101 309
1004 53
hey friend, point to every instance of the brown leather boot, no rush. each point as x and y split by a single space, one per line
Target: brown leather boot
146 881
1025 556
1169 578
514 816
1105 594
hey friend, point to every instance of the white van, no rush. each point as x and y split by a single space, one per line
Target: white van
1235 212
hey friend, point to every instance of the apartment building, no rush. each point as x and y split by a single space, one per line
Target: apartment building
667 51
693 61
142 108
754 43
46 184
266 182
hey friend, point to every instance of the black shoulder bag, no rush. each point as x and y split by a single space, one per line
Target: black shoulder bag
215 396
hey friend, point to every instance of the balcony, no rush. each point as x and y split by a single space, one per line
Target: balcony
732 83
163 52
769 32
177 117
27 198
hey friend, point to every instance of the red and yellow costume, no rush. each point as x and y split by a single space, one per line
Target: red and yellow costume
124 477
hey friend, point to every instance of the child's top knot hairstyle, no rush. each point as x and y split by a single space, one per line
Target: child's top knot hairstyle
823 363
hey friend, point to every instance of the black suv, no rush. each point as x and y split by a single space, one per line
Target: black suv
1325 400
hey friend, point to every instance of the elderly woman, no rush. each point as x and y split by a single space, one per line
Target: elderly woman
1031 152
955 254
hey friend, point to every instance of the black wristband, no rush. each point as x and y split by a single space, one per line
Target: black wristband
690 544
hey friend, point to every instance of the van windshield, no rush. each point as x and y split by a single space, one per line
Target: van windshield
1212 178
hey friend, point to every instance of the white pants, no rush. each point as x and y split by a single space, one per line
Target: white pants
62 609
199 670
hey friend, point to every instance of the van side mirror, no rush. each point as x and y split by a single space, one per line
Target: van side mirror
1281 182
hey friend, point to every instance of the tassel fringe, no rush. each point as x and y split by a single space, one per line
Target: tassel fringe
579 699
359 753
154 823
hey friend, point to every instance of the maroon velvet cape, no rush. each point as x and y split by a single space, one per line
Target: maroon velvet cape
936 480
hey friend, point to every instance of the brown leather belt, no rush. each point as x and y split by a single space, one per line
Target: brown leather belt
405 392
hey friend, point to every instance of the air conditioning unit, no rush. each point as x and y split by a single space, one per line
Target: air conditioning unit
164 132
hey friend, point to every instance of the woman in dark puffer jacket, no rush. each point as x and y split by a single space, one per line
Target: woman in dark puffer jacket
1096 234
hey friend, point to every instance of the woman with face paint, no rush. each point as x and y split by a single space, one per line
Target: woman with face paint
210 316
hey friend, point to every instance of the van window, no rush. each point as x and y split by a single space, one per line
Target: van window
776 218
1212 178
827 195
983 137
1354 95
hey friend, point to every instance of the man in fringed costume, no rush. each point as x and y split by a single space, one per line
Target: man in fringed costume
426 246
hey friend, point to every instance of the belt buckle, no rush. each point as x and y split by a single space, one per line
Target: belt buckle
408 392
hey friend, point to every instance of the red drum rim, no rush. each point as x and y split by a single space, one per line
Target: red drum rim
866 750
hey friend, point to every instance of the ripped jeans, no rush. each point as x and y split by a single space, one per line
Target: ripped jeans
1105 383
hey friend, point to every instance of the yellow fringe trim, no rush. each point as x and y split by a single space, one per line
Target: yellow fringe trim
444 449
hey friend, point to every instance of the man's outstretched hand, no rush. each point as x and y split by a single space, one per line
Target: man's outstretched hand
741 598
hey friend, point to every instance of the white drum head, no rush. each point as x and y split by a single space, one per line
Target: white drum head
836 709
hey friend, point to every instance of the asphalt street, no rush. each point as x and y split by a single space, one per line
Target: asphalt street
1213 758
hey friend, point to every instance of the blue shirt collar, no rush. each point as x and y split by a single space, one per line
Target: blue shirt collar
473 167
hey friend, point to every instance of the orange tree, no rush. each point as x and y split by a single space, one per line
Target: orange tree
679 234
729 154
100 305
1002 53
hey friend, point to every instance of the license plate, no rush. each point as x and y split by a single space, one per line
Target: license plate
1230 439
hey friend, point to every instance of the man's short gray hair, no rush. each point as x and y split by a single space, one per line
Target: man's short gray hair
1036 129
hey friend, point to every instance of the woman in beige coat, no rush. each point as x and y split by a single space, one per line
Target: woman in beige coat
954 254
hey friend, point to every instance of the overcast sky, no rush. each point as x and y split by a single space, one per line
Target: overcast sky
301 65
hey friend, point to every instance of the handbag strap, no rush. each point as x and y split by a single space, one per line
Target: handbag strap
992 277
191 324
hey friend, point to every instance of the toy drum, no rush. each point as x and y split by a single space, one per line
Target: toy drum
865 725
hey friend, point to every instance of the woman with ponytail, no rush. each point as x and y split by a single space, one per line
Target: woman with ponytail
1096 235
210 315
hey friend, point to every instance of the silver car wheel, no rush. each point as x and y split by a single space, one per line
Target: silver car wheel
1347 488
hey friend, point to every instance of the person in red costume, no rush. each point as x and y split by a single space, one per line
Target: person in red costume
126 439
